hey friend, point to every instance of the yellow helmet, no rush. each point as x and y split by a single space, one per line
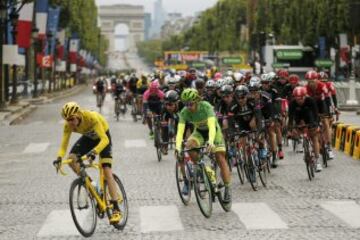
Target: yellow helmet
70 109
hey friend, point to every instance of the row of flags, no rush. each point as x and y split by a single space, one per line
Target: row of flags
67 49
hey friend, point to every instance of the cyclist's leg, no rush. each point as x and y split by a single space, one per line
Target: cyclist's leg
81 147
220 155
106 164
195 140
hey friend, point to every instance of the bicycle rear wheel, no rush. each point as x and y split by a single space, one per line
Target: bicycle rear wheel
158 144
221 191
250 170
240 166
203 192
117 109
82 207
180 182
307 159
122 202
262 170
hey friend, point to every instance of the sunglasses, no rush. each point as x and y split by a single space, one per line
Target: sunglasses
265 83
71 119
241 97
169 104
189 104
226 96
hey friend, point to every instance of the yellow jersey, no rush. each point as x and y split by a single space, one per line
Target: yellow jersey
92 125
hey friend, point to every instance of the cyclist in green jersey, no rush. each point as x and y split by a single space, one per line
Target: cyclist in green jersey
206 128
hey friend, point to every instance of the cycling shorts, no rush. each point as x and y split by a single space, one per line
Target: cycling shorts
85 144
200 137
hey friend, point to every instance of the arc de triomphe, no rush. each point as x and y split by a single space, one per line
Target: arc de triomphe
131 15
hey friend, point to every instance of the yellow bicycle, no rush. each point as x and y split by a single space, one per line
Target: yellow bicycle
89 201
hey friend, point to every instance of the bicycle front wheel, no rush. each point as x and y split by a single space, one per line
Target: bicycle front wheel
181 181
82 207
262 170
203 192
122 203
240 166
158 144
250 170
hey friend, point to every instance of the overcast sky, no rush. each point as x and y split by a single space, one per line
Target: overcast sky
186 7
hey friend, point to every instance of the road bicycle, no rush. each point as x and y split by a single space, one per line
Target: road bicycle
120 105
89 200
205 178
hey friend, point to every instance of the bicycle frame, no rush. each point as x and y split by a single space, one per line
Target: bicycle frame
100 200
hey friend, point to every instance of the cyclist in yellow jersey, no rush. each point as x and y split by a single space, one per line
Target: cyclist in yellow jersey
95 140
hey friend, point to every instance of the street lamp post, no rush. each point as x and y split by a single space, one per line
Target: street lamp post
3 11
14 16
35 35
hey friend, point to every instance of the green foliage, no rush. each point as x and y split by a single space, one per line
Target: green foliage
80 16
150 50
291 22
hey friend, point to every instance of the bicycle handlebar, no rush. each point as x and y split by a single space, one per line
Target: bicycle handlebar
60 170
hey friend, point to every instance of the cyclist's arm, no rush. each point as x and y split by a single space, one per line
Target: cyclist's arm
64 142
104 140
212 129
334 99
180 135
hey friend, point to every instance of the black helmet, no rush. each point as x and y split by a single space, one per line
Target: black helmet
171 96
241 90
199 83
226 90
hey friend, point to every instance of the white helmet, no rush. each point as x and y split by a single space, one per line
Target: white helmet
238 76
210 84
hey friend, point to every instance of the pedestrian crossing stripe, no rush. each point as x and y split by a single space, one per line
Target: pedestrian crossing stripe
347 211
36 147
58 223
160 219
258 216
135 143
254 216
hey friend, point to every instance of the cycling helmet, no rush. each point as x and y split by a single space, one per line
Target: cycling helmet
70 109
299 92
254 84
238 77
226 90
229 73
311 75
294 79
229 81
154 85
217 76
190 95
282 73
199 83
323 76
241 90
210 84
171 96
172 80
254 80
264 77
271 76
178 78
220 82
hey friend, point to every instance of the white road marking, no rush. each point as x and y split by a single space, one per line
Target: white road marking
258 216
160 219
347 211
36 147
58 223
135 143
